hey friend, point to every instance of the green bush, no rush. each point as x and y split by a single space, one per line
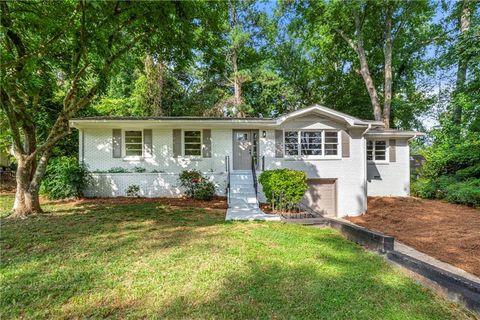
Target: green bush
204 190
451 171
65 178
283 188
465 192
196 186
424 188
132 190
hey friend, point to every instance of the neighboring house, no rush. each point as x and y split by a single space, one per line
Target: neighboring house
346 159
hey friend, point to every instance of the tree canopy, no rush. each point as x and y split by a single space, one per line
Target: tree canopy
375 59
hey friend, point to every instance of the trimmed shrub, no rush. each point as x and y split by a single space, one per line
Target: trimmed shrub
196 186
139 169
132 190
283 188
204 190
65 178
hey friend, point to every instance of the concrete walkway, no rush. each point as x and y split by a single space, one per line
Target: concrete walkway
243 200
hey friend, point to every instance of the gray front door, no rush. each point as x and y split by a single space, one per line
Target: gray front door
242 149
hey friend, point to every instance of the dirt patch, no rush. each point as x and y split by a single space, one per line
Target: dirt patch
215 203
448 232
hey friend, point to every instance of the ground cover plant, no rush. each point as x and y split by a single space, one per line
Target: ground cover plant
143 258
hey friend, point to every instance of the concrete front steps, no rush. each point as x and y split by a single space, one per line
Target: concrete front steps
243 203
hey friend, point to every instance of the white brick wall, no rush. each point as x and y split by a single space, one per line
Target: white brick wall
98 156
392 178
349 172
151 184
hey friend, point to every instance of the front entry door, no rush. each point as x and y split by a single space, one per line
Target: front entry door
242 150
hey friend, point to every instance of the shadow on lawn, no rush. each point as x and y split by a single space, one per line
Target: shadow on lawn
278 291
53 265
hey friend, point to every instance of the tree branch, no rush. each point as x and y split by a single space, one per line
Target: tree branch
349 41
42 48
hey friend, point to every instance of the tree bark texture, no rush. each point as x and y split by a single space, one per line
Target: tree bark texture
365 71
32 156
237 82
464 26
387 104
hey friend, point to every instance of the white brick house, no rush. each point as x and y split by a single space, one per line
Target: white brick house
345 158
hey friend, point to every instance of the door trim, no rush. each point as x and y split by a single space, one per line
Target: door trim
234 143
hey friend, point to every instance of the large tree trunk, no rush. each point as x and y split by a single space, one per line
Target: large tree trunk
387 104
155 80
365 71
29 176
237 82
464 26
26 198
159 94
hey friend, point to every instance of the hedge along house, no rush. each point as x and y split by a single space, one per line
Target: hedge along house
346 159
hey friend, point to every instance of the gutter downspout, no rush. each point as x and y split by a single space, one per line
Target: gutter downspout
365 186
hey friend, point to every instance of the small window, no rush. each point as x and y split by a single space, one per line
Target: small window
133 143
377 150
192 143
331 143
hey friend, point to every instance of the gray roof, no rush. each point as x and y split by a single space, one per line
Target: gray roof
170 118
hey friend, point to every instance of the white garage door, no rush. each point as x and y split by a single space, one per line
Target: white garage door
321 196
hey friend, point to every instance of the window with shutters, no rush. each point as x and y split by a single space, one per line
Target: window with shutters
377 150
192 143
133 143
312 143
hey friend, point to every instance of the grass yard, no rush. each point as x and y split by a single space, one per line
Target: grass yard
151 260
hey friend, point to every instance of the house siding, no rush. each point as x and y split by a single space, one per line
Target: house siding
354 177
98 156
349 172
391 178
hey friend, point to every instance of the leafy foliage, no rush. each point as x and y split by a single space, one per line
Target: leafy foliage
196 186
283 188
65 178
451 171
132 190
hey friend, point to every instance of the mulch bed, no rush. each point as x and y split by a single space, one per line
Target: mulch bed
448 232
295 214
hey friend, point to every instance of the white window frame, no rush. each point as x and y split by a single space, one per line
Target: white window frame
319 157
201 143
387 150
124 148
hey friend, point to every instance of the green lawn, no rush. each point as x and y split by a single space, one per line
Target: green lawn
155 261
